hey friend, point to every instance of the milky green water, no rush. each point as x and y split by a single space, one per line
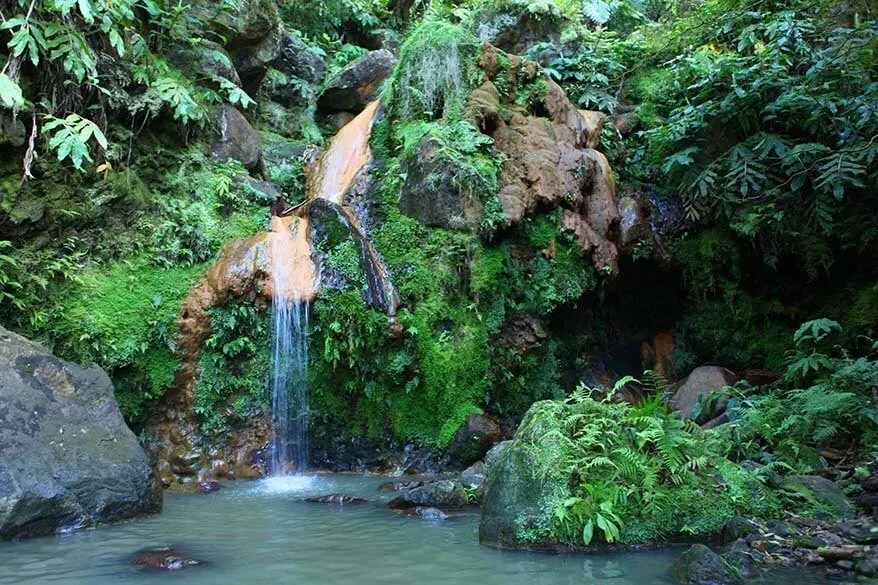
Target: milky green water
255 533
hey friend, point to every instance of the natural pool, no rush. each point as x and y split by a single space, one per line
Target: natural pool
254 533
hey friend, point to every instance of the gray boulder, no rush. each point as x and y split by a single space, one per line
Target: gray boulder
701 566
702 380
67 459
494 453
237 139
515 29
297 59
355 86
435 494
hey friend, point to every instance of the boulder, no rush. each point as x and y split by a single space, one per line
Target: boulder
820 491
355 86
164 559
702 380
701 566
428 513
208 487
397 486
67 458
204 59
515 28
253 61
738 528
297 59
445 493
479 433
237 139
517 502
634 226
494 453
474 475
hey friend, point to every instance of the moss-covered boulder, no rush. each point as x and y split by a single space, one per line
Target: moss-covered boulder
819 492
585 472
701 566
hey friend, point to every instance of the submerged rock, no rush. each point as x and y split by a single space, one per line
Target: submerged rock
701 566
164 559
208 487
428 513
355 86
338 499
67 458
445 493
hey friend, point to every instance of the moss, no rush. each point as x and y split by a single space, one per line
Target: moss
435 74
233 368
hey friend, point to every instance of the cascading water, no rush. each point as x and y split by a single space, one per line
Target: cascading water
293 285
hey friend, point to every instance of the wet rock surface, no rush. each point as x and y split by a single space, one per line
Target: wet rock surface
355 86
444 494
237 139
164 559
337 499
67 458
701 566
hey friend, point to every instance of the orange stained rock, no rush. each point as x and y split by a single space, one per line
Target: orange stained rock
348 152
293 272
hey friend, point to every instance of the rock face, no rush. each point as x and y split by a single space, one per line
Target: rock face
702 380
355 86
479 433
67 459
701 566
549 155
205 59
299 60
431 194
517 29
237 139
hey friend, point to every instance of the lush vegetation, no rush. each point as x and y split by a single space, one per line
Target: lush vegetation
749 129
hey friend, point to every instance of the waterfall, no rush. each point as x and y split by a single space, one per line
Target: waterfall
293 285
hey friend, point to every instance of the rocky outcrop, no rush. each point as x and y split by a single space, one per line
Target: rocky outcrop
702 380
431 192
479 433
516 28
297 59
67 458
204 60
355 86
819 490
336 499
549 156
237 139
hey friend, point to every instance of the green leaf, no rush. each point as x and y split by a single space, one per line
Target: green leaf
10 93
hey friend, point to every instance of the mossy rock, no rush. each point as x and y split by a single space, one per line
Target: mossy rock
820 493
701 566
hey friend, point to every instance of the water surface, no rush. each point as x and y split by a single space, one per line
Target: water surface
262 532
